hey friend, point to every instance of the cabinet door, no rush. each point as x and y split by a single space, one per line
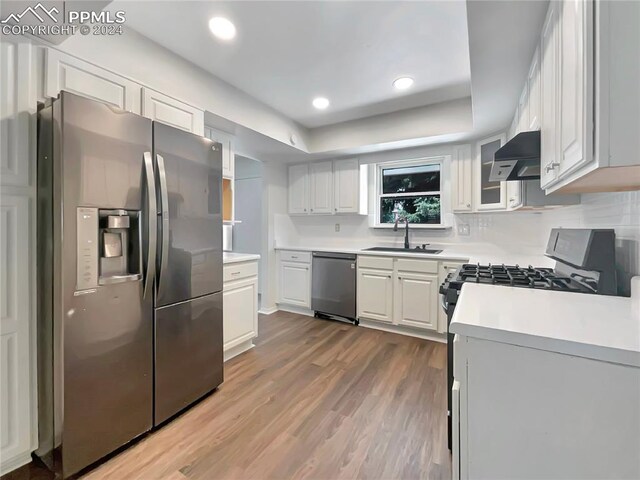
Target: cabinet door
295 284
227 149
576 84
162 108
523 110
416 300
533 84
346 186
321 188
64 72
461 175
549 98
240 307
488 195
375 295
299 189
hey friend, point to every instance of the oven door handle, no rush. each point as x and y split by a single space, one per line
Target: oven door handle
443 302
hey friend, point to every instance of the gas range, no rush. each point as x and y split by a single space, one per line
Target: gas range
517 276
585 263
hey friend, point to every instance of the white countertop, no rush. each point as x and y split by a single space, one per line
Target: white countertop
471 253
233 257
593 326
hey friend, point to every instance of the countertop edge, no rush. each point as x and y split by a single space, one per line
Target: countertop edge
232 257
555 345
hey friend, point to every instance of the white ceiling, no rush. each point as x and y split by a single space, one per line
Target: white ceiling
286 53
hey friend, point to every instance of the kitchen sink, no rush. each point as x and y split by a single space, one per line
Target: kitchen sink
404 250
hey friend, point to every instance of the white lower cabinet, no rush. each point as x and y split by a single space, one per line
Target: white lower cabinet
240 307
417 299
398 291
375 294
294 275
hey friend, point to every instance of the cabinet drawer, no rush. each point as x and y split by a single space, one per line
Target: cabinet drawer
383 263
294 256
236 271
411 265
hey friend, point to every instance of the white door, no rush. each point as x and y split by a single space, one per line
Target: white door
295 284
162 108
321 188
64 72
227 149
299 189
549 98
375 295
416 300
488 195
461 178
240 312
576 85
346 186
533 82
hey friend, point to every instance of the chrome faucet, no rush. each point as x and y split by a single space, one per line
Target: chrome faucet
406 229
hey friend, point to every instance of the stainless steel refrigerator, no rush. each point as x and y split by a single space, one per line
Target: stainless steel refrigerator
129 277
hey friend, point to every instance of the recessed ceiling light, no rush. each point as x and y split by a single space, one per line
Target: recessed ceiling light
320 103
402 83
222 28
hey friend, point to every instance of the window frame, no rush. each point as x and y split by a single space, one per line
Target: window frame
414 162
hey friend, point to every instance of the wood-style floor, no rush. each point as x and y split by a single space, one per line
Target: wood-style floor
315 399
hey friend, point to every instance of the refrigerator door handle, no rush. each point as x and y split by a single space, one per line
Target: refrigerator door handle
164 198
152 224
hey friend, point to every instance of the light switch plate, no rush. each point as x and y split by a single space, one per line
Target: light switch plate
464 229
337 227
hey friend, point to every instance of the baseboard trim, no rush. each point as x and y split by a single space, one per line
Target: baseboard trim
9 465
294 309
268 311
238 349
410 332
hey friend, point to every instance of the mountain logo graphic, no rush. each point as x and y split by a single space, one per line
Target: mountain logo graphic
34 11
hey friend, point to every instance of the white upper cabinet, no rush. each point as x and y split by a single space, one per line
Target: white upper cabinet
549 98
346 186
228 156
299 189
162 108
64 72
488 195
321 187
523 110
461 175
533 85
576 84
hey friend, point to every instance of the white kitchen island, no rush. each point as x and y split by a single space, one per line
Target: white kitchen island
546 384
240 302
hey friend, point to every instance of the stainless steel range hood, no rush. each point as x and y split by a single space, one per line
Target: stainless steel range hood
518 159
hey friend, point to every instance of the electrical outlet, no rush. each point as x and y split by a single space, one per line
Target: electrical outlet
337 227
464 229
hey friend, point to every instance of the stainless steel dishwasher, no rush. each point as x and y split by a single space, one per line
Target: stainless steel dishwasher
333 285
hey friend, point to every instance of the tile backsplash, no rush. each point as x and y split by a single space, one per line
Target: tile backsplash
528 230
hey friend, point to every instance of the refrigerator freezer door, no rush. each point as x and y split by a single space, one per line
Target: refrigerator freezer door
190 166
188 353
103 362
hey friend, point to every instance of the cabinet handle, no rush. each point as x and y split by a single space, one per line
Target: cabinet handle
235 273
551 166
305 209
468 205
312 209
336 209
293 256
388 276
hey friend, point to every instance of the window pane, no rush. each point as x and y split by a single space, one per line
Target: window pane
489 191
421 178
418 209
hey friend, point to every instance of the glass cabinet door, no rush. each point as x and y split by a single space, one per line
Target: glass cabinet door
489 195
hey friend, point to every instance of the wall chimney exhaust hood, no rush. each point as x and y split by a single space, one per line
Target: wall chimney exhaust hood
518 159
